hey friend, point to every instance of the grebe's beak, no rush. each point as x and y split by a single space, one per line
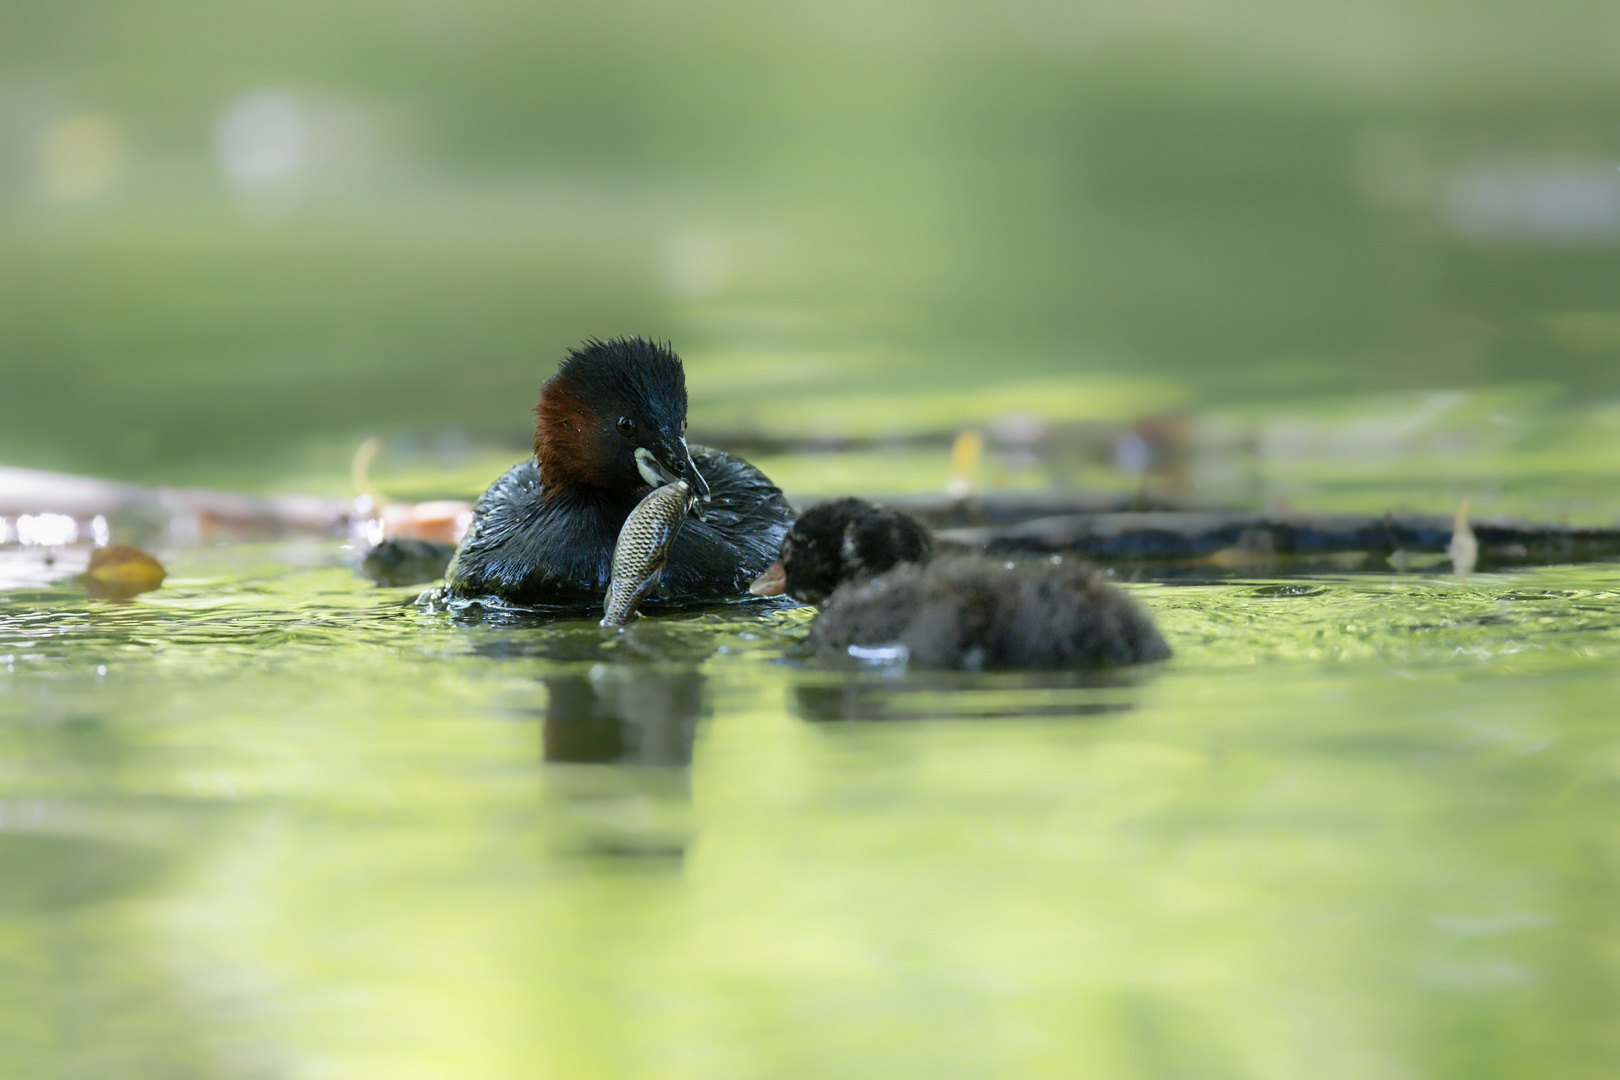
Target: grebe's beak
670 462
772 582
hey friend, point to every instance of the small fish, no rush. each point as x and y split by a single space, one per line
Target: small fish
642 548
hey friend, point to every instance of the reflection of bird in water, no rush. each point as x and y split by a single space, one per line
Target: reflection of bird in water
611 425
871 572
618 746
626 717
1059 694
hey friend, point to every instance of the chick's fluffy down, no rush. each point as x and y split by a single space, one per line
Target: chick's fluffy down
975 612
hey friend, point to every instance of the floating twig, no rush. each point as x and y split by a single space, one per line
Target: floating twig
1464 545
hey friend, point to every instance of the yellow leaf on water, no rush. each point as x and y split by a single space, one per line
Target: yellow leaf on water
120 572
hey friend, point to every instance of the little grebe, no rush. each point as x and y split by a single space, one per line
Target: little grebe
871 570
610 426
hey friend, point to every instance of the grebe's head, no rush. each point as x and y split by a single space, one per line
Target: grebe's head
842 540
613 417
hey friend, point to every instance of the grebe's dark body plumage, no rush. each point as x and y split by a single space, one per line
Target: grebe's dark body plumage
609 427
873 574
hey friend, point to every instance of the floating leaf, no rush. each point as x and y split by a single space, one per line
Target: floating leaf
120 572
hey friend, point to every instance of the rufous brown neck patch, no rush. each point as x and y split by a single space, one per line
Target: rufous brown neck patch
566 440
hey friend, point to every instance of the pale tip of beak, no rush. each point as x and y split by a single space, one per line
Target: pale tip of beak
772 582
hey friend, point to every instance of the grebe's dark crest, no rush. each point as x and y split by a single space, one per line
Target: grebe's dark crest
613 417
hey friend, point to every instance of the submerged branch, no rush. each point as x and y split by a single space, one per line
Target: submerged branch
1104 528
1250 540
134 510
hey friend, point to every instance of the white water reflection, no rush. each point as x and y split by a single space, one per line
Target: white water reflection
46 530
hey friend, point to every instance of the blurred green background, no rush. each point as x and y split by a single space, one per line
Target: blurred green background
235 239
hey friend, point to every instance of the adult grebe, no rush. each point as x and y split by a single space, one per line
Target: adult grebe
610 426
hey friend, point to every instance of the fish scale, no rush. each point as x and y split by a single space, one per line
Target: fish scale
642 549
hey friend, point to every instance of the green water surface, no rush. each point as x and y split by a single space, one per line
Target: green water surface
273 822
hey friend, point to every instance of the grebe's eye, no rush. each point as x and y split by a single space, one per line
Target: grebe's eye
627 427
